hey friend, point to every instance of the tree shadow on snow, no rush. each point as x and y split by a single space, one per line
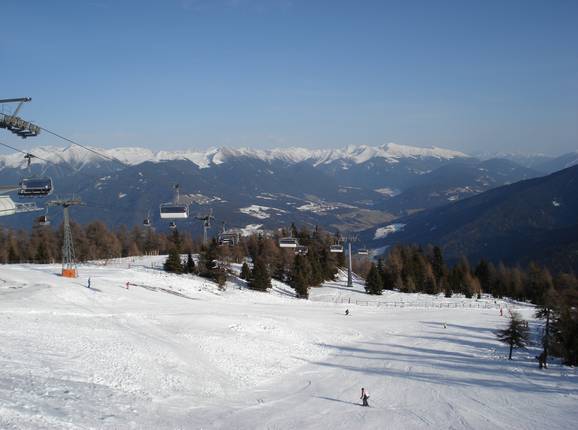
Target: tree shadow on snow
470 370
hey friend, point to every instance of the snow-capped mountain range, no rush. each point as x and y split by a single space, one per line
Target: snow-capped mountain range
350 189
77 156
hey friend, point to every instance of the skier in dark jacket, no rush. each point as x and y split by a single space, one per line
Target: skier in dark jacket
364 397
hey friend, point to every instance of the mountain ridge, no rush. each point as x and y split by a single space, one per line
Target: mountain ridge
352 154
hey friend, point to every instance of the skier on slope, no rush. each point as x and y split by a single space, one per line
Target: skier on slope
346 312
364 397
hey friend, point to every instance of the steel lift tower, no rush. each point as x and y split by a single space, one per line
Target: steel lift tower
207 219
349 239
69 269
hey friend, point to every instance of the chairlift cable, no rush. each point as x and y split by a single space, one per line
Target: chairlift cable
80 145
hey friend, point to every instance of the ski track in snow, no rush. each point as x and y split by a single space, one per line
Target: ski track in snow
177 353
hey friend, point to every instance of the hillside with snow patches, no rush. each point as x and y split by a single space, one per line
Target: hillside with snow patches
175 352
77 156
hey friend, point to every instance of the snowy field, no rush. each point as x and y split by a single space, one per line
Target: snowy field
174 352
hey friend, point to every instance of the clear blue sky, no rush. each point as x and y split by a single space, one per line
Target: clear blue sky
473 75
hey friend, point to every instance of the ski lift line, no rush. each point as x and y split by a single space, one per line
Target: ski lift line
80 145
45 160
25 153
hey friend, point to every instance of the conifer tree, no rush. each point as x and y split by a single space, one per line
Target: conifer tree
438 265
190 266
373 282
260 279
515 335
300 275
173 263
245 271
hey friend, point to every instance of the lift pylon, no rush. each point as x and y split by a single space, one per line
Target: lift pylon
69 269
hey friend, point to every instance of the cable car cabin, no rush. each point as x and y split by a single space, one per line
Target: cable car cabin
172 225
288 242
362 251
35 187
146 222
43 220
301 250
336 248
174 211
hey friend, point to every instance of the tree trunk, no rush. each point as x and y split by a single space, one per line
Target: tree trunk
511 348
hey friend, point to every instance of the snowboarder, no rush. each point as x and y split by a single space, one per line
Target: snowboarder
364 397
88 285
346 312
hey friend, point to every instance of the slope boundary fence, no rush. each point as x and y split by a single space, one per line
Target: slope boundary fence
430 305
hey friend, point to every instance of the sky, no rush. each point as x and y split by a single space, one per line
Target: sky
471 75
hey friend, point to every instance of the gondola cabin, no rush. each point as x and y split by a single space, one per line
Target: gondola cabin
288 242
35 187
174 211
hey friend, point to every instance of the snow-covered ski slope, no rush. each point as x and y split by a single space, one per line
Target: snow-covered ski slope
176 353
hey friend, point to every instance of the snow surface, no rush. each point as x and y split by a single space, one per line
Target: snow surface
260 212
383 232
174 352
251 229
78 157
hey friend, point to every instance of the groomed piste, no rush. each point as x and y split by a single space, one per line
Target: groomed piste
175 352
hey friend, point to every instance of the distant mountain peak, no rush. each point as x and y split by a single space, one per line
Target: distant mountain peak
351 154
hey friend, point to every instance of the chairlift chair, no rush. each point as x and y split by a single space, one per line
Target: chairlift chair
172 225
336 248
43 220
228 239
174 211
288 242
35 187
362 251
147 220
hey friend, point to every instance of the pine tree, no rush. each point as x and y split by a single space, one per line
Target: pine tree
515 335
483 273
373 282
173 263
245 271
190 266
299 279
260 279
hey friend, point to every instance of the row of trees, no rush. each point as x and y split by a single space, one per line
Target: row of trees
415 269
94 241
269 261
